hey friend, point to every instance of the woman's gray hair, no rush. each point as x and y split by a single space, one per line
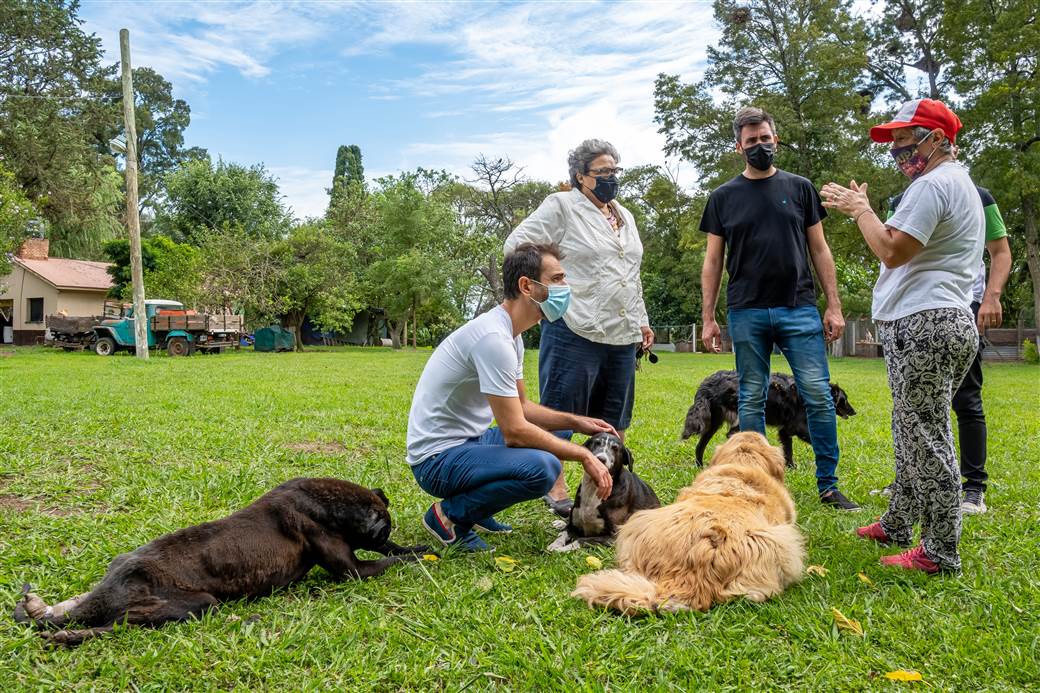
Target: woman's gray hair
579 158
920 132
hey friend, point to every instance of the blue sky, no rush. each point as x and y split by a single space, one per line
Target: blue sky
429 84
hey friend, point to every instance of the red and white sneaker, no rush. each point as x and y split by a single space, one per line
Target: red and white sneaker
874 532
914 559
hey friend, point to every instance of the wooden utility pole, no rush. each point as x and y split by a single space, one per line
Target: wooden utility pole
133 220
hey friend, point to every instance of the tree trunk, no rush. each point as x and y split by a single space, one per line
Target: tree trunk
1030 209
493 275
293 320
415 326
395 332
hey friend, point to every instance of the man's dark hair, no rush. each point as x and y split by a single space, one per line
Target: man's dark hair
751 115
525 261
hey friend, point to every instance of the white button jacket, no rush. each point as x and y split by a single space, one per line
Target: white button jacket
602 267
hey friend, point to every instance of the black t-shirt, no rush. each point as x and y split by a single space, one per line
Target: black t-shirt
763 223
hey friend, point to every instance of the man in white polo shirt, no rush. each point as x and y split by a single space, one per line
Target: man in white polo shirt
476 376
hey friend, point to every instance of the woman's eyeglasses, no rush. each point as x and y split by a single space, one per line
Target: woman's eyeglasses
606 171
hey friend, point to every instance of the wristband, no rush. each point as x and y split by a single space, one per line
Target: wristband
855 219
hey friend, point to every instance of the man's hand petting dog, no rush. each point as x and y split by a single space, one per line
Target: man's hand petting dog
599 474
590 426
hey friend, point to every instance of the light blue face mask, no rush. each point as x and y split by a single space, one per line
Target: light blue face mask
556 303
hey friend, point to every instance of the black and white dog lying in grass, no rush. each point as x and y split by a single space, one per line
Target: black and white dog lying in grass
595 521
269 544
716 403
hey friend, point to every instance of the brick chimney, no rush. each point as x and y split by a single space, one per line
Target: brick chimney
33 249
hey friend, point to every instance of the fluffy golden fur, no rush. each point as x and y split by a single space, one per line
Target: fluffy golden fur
731 533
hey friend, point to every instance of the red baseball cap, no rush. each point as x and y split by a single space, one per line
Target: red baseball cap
927 113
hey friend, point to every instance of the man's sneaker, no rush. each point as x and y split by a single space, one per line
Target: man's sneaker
837 500
440 526
914 559
492 526
876 533
561 507
886 491
974 502
472 543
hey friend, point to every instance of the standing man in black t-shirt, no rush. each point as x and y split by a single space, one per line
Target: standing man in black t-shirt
769 222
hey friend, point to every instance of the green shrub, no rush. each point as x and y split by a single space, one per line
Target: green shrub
1029 352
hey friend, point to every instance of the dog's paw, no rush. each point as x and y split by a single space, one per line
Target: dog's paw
559 524
33 607
561 545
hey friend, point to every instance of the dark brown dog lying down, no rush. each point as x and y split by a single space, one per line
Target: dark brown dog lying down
269 544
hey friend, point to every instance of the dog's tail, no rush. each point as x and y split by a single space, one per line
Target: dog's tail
698 418
629 593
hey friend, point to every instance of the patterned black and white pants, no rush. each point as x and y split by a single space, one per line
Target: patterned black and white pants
927 355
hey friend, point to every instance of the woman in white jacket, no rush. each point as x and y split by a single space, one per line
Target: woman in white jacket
587 360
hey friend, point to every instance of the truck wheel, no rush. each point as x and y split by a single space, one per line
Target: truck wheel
177 346
105 346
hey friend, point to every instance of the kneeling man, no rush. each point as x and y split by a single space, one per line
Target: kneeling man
476 376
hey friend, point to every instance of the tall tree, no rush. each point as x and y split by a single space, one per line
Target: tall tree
905 36
54 117
804 61
316 279
673 249
994 49
409 255
17 214
495 201
348 164
201 196
161 121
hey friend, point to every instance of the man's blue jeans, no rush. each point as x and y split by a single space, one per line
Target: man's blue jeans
799 334
483 476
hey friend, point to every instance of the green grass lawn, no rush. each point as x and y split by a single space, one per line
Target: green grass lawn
100 455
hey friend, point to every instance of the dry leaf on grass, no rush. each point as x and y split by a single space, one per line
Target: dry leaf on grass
816 570
864 579
505 563
594 562
845 623
904 675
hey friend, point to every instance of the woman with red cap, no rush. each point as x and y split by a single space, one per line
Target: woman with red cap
930 250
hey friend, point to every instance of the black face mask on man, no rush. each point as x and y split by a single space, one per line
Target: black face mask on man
606 188
760 156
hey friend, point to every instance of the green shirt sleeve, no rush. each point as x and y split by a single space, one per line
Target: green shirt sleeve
994 223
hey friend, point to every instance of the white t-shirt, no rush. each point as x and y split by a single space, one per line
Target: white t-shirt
450 404
943 211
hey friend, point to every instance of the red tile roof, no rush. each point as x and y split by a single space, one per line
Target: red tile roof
70 274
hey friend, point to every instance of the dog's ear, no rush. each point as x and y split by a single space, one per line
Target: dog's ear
626 457
382 496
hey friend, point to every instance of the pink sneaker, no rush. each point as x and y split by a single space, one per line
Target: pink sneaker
914 559
874 532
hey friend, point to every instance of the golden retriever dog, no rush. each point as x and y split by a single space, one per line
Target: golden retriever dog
729 534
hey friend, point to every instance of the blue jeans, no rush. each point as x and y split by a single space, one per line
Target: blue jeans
799 334
483 476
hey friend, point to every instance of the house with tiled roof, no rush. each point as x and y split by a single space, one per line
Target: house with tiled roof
40 285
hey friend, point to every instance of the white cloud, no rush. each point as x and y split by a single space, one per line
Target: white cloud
304 189
190 40
547 75
569 72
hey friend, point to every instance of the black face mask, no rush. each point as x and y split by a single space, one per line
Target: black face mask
760 156
606 188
